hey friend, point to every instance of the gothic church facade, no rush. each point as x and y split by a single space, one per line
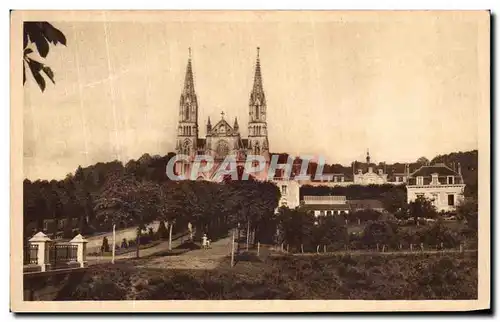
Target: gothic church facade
221 139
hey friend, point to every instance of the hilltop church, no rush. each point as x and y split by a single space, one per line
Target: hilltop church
221 139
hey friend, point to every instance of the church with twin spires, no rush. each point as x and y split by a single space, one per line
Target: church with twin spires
222 138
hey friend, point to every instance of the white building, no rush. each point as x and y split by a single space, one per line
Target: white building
290 193
444 186
326 205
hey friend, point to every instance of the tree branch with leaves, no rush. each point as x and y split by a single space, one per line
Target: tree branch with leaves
39 36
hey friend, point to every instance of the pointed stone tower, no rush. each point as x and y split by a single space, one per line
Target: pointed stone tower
209 125
187 132
258 143
236 127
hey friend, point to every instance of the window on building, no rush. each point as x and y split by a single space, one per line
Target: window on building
329 212
451 200
283 190
397 179
322 212
420 195
335 179
341 179
450 180
434 178
420 180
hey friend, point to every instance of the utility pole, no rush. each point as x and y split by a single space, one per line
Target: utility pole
114 245
248 233
239 236
232 251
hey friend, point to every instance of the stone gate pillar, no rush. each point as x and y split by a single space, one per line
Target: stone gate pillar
43 242
81 254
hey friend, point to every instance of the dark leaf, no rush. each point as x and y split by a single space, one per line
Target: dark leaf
34 65
35 68
24 73
49 73
28 51
42 46
53 34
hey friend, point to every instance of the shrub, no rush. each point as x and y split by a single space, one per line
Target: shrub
366 215
382 232
437 233
145 239
151 233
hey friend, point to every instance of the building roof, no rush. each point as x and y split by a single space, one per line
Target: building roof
324 199
326 207
365 204
427 170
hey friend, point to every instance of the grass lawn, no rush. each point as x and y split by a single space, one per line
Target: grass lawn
370 277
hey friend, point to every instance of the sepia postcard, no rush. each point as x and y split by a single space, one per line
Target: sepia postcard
250 161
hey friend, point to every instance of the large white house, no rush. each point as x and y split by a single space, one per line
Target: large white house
443 185
290 191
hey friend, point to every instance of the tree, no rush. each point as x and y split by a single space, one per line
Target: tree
124 199
382 232
423 161
366 215
394 200
40 34
468 211
421 208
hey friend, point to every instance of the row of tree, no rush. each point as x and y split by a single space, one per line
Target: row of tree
133 195
303 231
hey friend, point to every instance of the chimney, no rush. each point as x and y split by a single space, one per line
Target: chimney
459 169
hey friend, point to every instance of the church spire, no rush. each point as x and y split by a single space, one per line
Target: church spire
189 79
367 156
209 125
236 126
257 97
189 103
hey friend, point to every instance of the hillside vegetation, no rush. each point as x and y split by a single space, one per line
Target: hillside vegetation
374 277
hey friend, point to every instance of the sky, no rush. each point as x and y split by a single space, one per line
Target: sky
401 86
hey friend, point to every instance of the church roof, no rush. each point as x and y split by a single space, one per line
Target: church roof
222 127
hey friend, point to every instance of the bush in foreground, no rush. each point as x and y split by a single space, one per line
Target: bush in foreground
376 277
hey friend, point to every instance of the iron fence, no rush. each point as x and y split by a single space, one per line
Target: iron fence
62 253
30 255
